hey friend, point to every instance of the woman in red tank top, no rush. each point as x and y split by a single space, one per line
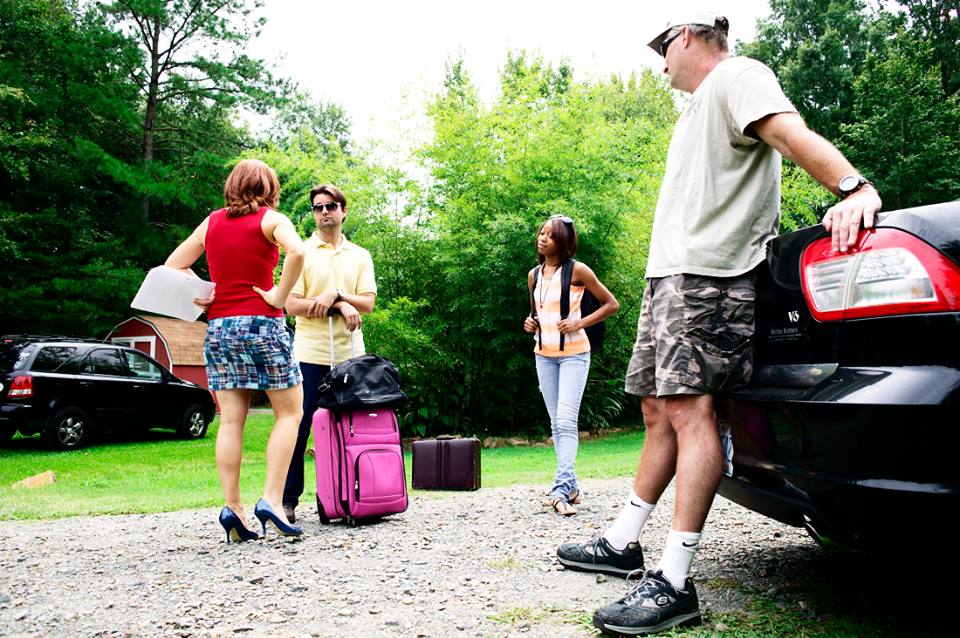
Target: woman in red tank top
247 346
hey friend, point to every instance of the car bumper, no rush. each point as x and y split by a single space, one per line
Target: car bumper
848 511
18 415
863 457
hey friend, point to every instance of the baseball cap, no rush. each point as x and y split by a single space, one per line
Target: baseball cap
705 18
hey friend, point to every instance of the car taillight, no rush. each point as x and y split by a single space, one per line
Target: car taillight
888 272
21 386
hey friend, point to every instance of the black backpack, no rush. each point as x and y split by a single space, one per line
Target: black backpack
588 305
361 382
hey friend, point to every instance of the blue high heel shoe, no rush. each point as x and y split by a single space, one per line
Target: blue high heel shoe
265 513
234 527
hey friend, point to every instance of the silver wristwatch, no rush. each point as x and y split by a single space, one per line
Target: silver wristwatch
850 184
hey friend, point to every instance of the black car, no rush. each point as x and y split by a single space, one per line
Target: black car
64 388
851 425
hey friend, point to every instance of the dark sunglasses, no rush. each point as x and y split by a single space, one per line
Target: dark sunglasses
330 206
665 43
562 218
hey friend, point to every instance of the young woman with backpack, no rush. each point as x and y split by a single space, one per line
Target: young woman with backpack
559 289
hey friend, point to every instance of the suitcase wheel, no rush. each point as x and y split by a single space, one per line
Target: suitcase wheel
323 515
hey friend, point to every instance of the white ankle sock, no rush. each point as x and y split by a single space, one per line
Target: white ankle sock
626 529
678 556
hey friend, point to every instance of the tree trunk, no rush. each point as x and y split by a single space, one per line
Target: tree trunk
150 115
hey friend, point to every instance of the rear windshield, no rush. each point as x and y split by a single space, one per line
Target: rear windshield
14 354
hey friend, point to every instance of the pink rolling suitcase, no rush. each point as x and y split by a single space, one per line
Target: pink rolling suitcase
360 472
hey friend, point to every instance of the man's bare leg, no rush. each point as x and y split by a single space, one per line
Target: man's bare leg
698 475
618 551
655 469
699 458
658 459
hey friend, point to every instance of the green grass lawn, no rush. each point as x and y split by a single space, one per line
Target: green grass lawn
156 472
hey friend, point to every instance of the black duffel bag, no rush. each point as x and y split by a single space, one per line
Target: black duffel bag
361 382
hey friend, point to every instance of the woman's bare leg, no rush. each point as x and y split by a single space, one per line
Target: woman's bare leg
234 405
287 411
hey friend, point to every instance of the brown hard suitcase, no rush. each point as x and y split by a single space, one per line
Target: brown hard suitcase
446 463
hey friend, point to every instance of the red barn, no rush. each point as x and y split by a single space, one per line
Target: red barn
175 343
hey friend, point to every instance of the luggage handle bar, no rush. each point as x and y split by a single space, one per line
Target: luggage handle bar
353 336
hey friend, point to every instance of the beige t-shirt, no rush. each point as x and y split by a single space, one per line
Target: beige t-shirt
347 268
719 203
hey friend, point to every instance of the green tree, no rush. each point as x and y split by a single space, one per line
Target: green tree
879 82
909 138
72 173
936 22
63 93
192 74
817 48
803 201
549 144
302 117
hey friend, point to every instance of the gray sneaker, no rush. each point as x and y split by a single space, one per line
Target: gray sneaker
597 555
654 605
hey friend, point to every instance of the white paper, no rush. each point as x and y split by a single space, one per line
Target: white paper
169 292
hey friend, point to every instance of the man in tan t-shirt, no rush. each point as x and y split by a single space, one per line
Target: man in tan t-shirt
718 207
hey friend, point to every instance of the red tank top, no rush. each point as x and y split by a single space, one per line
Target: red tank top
240 257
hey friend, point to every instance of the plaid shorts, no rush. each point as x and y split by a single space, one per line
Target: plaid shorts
249 352
694 336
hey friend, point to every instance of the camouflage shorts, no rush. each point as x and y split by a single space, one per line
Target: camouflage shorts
694 336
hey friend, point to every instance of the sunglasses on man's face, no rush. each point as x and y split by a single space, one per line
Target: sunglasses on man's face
665 43
329 206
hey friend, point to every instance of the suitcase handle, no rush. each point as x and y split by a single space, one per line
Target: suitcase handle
353 336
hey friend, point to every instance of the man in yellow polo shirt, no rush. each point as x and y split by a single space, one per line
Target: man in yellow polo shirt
336 274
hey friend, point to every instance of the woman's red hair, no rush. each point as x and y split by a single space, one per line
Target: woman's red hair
251 184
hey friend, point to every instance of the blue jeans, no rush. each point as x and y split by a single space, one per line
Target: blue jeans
562 380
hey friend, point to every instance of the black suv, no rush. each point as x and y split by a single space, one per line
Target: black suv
63 388
851 425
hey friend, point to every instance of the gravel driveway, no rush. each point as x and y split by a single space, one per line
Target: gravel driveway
455 564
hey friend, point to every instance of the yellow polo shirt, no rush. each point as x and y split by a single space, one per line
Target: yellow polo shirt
347 268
